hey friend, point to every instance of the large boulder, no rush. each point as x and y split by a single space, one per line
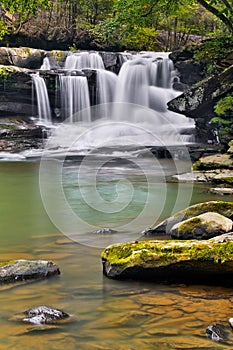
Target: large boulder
209 261
203 95
22 270
203 226
23 57
220 207
198 102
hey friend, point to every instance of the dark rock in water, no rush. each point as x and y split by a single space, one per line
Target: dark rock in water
105 231
42 315
219 332
21 270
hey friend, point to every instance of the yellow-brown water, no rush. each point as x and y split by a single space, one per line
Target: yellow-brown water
108 314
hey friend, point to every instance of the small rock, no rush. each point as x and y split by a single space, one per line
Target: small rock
219 332
43 315
104 231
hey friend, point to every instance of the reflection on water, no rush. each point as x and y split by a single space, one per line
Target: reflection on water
110 314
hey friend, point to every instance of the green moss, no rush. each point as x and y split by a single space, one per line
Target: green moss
220 207
189 225
227 179
196 165
150 254
7 263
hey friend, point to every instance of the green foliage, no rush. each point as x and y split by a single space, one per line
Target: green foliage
225 106
21 10
224 110
214 49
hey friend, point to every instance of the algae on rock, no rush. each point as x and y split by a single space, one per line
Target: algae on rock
171 261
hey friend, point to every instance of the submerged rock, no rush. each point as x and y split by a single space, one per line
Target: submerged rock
220 207
21 270
202 226
207 262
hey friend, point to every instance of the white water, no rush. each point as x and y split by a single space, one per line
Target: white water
133 108
106 86
82 60
74 97
45 64
43 104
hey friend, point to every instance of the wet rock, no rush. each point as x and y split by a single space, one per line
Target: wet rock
205 262
219 332
17 135
222 191
22 270
198 102
203 226
220 207
41 315
105 231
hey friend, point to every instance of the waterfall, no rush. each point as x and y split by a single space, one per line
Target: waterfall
74 97
45 64
106 85
42 98
82 60
145 80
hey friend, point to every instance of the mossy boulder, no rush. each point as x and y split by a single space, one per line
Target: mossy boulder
203 226
209 261
217 161
220 207
22 270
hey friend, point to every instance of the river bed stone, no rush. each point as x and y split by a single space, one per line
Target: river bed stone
23 270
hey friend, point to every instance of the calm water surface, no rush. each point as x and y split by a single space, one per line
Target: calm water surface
108 314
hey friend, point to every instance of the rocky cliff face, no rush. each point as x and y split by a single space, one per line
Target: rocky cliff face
199 100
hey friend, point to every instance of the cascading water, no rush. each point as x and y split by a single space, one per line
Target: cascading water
43 104
84 60
144 80
45 64
106 85
74 98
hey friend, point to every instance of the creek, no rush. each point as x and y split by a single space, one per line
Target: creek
108 314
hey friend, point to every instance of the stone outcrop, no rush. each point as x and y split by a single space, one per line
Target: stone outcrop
16 91
202 226
209 261
190 72
23 270
23 57
17 135
220 207
198 101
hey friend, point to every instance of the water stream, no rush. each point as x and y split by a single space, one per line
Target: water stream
109 314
